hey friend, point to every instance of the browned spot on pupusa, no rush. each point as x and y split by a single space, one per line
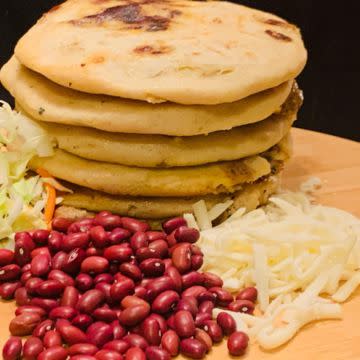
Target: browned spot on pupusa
276 22
97 59
131 14
216 20
278 36
152 50
54 8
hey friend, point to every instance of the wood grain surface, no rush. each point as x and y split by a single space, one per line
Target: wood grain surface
336 162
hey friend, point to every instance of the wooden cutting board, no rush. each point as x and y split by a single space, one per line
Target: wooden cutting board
336 162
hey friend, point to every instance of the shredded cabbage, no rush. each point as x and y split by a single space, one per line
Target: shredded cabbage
22 197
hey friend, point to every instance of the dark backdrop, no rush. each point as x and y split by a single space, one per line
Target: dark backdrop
330 81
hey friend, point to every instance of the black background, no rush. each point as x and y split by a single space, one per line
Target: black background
331 80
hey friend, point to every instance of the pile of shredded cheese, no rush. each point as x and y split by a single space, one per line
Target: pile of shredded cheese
303 258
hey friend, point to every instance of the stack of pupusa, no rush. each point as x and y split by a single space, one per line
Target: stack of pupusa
156 104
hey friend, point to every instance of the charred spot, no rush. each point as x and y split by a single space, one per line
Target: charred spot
276 22
152 50
217 20
54 8
82 65
130 14
278 36
41 110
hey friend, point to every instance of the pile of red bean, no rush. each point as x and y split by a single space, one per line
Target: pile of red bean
109 288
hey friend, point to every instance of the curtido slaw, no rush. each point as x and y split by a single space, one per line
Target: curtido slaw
22 197
303 258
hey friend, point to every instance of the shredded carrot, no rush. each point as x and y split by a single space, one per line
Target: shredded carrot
51 198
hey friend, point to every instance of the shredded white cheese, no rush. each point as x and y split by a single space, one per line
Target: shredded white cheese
302 258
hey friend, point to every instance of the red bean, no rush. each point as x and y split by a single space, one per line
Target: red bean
191 279
26 268
61 224
25 276
226 322
165 302
175 276
131 270
55 241
42 328
184 324
249 293
134 225
105 288
46 304
196 262
71 334
205 338
75 240
41 236
132 300
189 304
170 341
174 223
82 357
224 298
82 321
6 257
134 315
170 239
32 348
193 291
244 306
63 312
99 237
104 314
50 288
24 324
90 300
12 348
70 297
135 353
44 250
136 340
170 322
23 248
30 309
213 329
73 261
62 277
95 265
32 284
159 285
155 353
212 280
200 318
147 253
108 222
181 258
151 331
160 320
22 297
206 306
84 282
207 296
139 240
121 289
237 343
93 251
59 260
152 267
161 247
40 265
104 277
119 346
118 235
7 290
10 272
83 349
81 226
106 354
118 330
52 338
193 348
99 333
155 235
118 253
186 234
54 353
